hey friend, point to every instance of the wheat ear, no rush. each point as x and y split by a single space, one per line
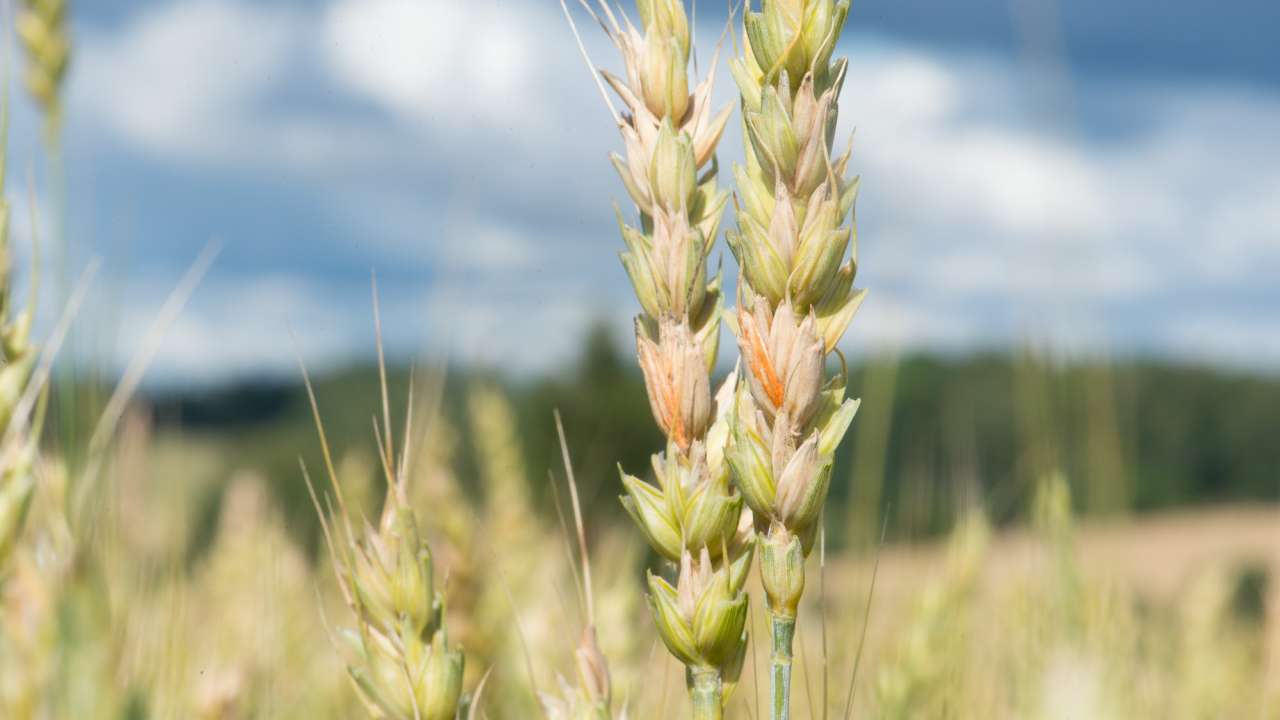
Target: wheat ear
17 361
405 666
43 29
796 294
691 517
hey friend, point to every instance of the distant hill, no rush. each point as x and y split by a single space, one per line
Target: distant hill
933 432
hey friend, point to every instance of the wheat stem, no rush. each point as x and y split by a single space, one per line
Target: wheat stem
706 689
784 630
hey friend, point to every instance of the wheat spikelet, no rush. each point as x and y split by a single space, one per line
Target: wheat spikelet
43 28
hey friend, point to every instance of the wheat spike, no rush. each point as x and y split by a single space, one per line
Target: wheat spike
404 665
797 259
43 28
692 516
19 435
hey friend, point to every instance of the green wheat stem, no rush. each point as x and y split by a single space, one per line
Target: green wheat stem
707 692
784 631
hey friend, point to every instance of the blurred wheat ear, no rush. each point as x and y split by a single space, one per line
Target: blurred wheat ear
19 435
403 665
43 28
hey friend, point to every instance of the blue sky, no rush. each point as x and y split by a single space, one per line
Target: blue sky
1097 176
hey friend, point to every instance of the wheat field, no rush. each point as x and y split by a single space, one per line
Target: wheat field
437 553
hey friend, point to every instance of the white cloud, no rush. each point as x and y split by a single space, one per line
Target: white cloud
444 63
1052 232
488 248
184 78
483 168
228 329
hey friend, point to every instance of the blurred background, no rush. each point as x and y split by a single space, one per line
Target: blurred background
1093 176
1069 226
1086 192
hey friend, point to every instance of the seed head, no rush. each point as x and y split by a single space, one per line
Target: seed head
677 381
798 260
405 666
782 480
702 619
422 681
668 267
784 357
791 38
392 576
693 505
43 29
782 570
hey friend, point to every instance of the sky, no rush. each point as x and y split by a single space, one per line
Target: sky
1091 176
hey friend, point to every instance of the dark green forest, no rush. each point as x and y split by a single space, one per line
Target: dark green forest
934 433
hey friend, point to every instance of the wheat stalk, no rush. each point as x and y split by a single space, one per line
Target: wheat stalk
796 294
